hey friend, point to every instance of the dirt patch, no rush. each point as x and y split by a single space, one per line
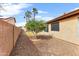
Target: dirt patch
25 47
57 47
44 47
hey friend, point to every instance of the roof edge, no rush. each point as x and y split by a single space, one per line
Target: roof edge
64 16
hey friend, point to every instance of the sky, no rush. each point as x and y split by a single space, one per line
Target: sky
46 11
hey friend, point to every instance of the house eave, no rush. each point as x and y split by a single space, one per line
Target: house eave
73 13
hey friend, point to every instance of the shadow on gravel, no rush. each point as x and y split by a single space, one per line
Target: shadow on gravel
24 47
41 37
44 37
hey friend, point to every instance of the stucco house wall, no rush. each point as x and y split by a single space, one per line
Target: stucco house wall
68 29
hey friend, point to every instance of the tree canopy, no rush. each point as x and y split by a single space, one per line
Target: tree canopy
28 15
34 11
35 25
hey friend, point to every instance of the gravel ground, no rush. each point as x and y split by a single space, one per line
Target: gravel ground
44 47
24 47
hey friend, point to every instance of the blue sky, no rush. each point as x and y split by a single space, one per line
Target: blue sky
46 11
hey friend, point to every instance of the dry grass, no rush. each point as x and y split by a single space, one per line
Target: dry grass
29 34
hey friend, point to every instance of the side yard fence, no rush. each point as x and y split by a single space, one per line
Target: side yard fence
8 36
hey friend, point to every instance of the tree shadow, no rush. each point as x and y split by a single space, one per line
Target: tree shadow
41 37
44 37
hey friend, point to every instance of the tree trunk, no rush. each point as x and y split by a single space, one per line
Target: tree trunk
35 35
34 16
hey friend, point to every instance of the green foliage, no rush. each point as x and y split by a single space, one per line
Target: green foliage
34 11
35 25
28 15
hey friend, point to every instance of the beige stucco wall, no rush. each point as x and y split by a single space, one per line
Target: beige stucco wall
6 37
68 30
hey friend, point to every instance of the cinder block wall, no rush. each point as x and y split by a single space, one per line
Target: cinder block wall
8 37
